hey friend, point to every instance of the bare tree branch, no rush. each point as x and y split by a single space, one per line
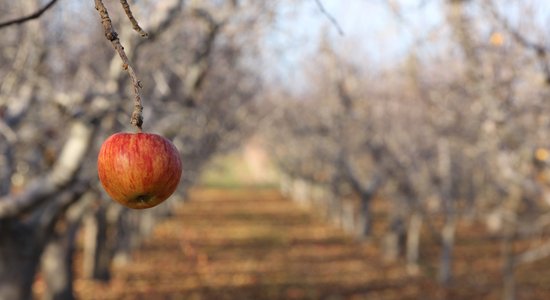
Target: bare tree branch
45 219
112 36
133 20
32 16
63 173
329 17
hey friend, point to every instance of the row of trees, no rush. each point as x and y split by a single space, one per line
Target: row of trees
457 130
63 92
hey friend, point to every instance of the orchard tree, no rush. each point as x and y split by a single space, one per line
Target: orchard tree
192 79
455 132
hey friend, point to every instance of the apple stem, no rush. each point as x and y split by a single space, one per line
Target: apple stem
112 36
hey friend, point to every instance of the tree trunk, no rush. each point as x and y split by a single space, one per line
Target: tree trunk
366 192
147 221
57 259
23 241
447 239
508 262
413 243
57 268
394 239
335 210
96 256
448 230
365 215
19 258
348 218
129 234
390 244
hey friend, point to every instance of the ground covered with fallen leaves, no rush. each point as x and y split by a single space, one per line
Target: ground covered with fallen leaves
254 244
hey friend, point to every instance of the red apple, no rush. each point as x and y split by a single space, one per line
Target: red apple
139 170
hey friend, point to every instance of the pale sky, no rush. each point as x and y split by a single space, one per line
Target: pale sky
370 29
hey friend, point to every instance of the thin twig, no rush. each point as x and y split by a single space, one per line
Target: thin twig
112 36
329 17
32 16
133 20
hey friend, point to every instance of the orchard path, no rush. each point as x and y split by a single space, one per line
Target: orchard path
251 244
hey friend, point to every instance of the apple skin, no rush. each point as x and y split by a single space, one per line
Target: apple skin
139 170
